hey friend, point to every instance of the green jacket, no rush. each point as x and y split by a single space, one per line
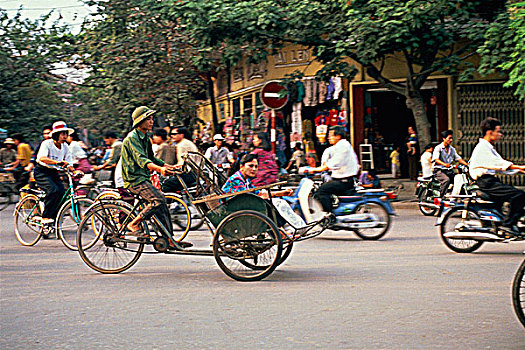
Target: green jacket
136 154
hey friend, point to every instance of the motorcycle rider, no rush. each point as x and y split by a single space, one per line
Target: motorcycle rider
218 154
443 157
484 163
341 159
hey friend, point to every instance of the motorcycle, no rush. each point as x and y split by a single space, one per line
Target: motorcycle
428 191
473 221
367 212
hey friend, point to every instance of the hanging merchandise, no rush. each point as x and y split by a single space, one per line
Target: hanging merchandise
296 125
307 130
311 91
300 91
330 89
321 126
323 90
338 87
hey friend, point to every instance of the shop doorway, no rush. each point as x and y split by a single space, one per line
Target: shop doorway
386 118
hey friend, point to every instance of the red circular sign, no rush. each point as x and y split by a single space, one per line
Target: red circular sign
271 95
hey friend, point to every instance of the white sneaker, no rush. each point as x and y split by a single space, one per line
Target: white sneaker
46 221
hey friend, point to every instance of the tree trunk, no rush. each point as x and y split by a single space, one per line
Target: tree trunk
417 105
215 119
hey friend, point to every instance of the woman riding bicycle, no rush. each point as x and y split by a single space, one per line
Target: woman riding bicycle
53 153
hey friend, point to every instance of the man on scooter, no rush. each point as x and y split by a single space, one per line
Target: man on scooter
484 163
341 159
443 157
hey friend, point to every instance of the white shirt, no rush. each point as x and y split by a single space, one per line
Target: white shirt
77 151
426 164
441 153
49 150
119 180
486 160
342 160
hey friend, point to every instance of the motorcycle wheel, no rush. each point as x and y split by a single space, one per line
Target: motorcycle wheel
373 233
427 211
453 218
518 293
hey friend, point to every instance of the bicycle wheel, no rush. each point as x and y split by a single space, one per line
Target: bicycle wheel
453 221
245 239
427 211
180 216
287 249
97 239
27 224
518 293
67 221
383 224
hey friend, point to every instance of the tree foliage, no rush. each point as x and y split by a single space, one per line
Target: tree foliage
504 48
427 36
30 94
137 56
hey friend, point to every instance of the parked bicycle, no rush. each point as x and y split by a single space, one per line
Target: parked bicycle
28 214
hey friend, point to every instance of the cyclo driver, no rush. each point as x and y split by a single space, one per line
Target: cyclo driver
341 159
137 162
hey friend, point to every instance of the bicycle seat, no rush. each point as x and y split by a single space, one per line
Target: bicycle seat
36 192
483 195
424 179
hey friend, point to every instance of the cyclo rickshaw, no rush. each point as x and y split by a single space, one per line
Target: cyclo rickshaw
248 240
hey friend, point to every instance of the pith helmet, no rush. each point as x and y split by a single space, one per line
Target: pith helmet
140 114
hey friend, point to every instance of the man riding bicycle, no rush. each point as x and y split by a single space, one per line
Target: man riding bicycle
137 163
483 165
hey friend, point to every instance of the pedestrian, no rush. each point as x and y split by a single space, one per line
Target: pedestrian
111 140
412 153
394 160
8 153
426 160
298 158
165 151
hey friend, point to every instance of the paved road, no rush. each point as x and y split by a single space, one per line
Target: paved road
406 291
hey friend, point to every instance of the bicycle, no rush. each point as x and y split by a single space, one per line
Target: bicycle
246 241
28 215
518 293
7 190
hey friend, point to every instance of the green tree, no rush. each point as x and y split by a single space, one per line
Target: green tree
504 48
428 36
30 94
137 56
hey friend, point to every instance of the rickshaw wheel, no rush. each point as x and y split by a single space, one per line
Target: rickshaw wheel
247 246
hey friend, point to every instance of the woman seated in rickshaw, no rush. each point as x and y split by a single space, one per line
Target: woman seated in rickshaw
241 180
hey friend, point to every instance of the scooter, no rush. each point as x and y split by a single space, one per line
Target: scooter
367 212
473 221
428 191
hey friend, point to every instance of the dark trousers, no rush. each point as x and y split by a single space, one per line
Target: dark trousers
338 187
172 184
413 160
444 178
49 181
21 177
156 204
501 193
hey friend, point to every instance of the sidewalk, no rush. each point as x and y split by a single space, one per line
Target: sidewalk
406 198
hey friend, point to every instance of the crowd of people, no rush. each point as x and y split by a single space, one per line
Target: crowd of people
145 150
